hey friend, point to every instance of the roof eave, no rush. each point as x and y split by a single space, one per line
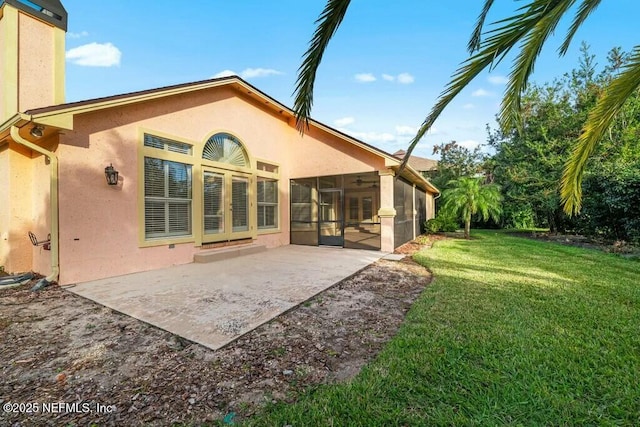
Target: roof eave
18 119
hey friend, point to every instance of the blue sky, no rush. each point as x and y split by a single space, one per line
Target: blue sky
382 73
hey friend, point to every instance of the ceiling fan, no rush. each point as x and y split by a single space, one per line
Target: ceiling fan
359 181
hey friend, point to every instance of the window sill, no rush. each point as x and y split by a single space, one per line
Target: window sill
262 231
163 241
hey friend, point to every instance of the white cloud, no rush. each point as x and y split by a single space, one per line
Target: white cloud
95 55
469 143
498 80
468 106
224 73
388 77
345 121
249 73
481 92
371 137
405 78
77 35
406 130
365 78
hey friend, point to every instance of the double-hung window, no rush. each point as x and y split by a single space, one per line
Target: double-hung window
167 191
267 203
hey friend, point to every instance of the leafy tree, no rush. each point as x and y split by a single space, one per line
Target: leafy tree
528 31
528 164
468 196
455 162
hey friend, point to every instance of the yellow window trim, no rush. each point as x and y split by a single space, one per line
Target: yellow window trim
143 151
198 165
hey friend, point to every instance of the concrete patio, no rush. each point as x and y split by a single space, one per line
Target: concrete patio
215 303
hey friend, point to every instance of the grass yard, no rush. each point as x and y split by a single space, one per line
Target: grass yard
511 332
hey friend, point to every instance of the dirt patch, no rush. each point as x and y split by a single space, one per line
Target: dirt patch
70 361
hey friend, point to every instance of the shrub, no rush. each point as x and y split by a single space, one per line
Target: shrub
432 226
611 204
444 221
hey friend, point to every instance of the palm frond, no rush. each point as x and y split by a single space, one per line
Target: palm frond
583 13
327 24
492 50
523 65
476 36
599 120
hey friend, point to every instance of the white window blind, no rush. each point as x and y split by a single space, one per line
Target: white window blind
213 203
166 144
240 204
225 148
167 198
267 203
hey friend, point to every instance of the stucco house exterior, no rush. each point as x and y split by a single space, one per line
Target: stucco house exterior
199 166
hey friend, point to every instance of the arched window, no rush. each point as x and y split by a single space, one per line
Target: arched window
225 148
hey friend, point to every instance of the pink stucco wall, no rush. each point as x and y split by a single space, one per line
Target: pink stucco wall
24 202
35 63
5 203
99 224
40 218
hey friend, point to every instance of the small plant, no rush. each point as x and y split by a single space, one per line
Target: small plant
280 351
302 371
90 326
422 240
331 352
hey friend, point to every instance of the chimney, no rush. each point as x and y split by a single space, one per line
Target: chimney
32 55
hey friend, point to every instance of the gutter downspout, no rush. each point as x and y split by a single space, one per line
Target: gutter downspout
53 198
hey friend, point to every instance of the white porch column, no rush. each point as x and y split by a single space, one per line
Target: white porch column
387 212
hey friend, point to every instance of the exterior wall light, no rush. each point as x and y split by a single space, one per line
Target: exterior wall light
37 131
111 174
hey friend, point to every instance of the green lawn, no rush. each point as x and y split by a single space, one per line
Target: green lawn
511 332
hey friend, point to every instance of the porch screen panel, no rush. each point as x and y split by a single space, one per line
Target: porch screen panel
167 192
421 207
304 215
213 203
362 229
403 203
240 204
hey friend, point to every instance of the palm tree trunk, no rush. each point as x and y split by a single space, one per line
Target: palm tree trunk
467 227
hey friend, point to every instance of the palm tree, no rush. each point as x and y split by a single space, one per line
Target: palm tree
467 197
528 29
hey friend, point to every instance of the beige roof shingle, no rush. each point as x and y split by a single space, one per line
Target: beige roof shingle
421 164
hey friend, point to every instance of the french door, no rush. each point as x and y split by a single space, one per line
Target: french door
226 205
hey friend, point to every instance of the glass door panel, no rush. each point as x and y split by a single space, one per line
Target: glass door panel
213 203
367 209
239 204
331 217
